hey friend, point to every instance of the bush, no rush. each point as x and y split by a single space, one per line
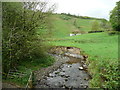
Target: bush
115 17
94 31
113 32
64 17
106 74
110 73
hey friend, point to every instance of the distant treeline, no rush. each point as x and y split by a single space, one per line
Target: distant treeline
82 17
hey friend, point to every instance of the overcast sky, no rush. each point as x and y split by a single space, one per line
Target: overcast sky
93 8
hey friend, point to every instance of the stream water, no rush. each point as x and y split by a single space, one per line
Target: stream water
70 74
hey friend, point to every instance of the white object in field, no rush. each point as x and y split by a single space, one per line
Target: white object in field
72 34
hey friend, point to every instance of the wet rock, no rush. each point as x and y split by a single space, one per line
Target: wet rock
68 66
80 68
85 86
66 79
63 70
85 66
52 75
86 78
48 78
82 85
56 84
66 76
82 61
56 72
67 87
74 55
62 74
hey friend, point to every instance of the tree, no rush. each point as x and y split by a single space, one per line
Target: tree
115 17
105 25
20 22
95 26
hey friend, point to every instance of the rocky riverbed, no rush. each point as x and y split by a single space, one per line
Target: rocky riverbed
68 71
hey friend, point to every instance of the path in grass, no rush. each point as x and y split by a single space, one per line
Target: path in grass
67 72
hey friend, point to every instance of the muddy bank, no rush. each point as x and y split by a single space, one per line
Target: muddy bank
69 70
61 50
70 52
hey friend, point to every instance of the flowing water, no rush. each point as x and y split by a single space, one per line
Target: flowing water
70 74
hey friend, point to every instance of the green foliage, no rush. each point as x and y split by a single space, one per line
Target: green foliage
95 26
105 25
65 17
115 17
113 32
75 24
110 75
20 41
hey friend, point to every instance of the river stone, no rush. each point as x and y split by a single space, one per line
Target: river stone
74 55
80 68
66 76
68 66
84 65
66 79
62 74
56 72
52 75
86 78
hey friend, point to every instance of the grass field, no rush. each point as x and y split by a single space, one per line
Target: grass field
64 25
102 50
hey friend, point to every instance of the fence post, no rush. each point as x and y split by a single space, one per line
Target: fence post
29 84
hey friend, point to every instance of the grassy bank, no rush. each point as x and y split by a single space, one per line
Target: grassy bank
21 76
102 50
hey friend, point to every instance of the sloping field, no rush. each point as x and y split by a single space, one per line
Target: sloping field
64 25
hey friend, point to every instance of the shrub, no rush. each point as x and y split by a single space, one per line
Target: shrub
113 32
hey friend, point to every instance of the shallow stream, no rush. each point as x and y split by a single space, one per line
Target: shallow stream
70 74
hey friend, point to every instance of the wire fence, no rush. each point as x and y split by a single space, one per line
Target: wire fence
14 74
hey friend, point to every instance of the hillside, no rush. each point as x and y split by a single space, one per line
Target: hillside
64 24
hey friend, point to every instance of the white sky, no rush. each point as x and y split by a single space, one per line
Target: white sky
92 8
